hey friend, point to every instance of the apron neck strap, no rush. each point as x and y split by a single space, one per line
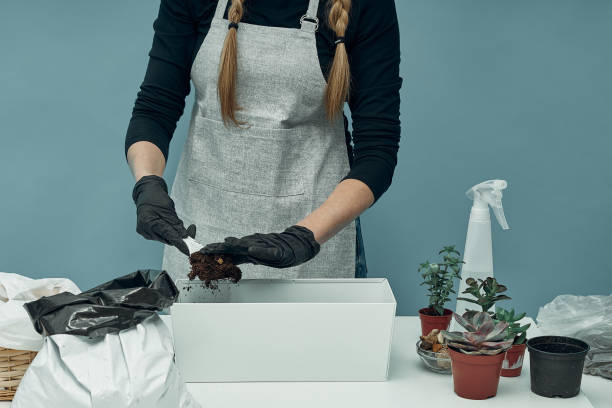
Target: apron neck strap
220 11
310 21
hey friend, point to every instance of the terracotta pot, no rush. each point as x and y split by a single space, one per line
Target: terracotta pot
513 363
476 376
430 322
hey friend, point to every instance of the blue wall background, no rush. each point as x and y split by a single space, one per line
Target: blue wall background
519 90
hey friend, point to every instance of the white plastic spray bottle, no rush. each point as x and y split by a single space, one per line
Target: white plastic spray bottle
478 253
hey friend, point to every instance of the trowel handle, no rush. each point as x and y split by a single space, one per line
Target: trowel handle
192 245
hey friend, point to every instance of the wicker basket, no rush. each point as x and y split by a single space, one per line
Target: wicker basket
13 365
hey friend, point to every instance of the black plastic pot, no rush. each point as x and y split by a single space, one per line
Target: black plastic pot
556 365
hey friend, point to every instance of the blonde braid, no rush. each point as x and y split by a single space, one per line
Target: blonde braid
338 81
228 67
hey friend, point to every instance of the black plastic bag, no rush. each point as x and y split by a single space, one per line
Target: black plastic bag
108 308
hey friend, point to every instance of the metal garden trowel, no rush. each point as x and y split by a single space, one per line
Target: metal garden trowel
192 245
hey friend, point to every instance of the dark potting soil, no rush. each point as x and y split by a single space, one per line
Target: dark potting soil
213 268
431 312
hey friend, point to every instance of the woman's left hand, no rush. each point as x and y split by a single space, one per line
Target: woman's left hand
292 247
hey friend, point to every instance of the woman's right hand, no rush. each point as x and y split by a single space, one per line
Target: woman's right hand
157 218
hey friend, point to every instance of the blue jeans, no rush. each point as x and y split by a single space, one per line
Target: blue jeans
361 268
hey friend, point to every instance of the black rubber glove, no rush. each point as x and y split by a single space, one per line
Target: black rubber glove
292 247
157 219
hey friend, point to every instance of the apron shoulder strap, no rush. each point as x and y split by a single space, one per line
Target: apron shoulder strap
220 11
310 21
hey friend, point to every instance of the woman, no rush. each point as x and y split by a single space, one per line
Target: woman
268 173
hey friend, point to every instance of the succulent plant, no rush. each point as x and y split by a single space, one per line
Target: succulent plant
482 336
485 292
515 331
439 277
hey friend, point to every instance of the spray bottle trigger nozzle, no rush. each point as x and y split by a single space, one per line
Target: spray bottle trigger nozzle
490 193
501 217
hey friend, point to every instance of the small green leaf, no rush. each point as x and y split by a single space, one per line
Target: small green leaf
501 297
520 339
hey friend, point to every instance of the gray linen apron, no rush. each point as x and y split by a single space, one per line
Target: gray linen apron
270 174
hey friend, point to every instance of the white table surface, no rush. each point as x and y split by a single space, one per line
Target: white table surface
409 384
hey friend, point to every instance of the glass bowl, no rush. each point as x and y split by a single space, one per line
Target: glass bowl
437 362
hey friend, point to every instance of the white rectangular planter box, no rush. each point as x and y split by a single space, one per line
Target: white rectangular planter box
284 330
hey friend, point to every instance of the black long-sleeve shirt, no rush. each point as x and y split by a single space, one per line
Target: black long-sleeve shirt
372 40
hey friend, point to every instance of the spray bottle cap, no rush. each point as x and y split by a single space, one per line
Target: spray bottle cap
490 193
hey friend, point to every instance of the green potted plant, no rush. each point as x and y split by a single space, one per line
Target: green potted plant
513 363
439 277
477 354
485 292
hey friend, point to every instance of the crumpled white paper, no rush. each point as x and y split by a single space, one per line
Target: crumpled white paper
588 318
16 329
131 369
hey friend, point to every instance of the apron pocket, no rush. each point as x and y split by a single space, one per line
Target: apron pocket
220 213
254 161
